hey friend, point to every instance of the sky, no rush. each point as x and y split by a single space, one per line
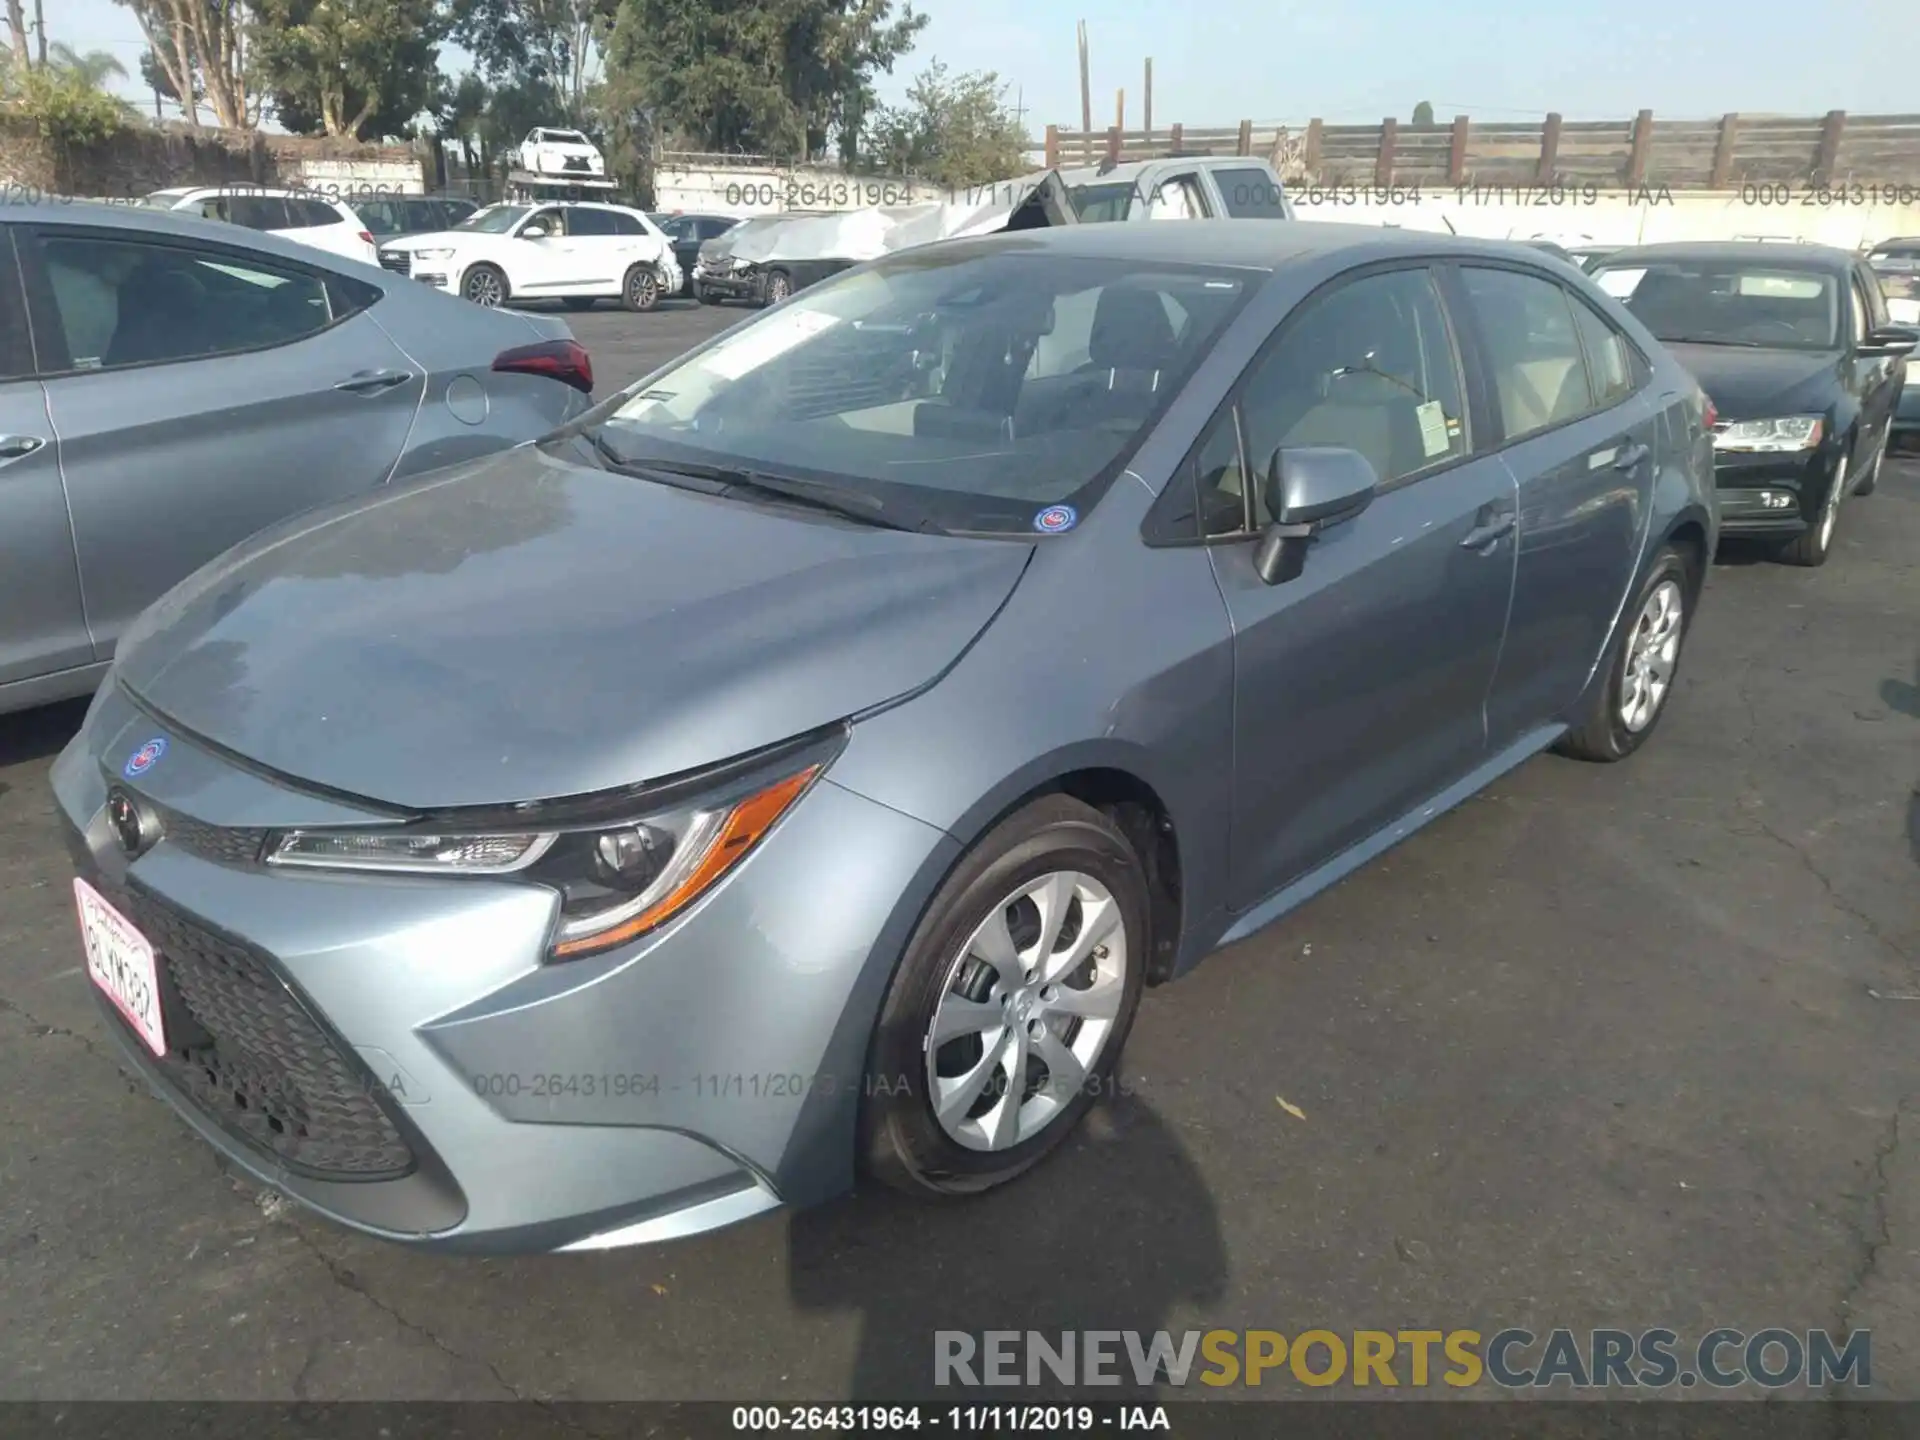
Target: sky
1356 61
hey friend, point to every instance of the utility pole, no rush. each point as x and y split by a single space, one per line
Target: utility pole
1146 101
1086 93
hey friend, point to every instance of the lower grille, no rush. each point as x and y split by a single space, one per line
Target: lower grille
400 261
246 1050
576 163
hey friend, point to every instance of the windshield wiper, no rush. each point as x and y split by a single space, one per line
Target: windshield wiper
839 500
1713 340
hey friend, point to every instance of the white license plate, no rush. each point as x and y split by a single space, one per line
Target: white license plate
120 961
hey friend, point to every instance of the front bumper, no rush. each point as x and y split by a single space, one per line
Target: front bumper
1772 496
455 1091
730 284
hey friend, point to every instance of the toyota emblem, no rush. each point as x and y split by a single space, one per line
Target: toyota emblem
131 825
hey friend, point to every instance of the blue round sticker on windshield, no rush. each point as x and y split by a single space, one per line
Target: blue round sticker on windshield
1056 518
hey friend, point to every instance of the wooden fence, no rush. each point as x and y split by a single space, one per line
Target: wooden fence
1834 150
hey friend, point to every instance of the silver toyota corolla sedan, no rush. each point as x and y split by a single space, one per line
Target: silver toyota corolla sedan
168 385
802 761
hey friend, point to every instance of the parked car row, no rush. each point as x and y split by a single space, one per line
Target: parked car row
1287 538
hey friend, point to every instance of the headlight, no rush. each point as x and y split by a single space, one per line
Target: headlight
616 880
433 254
1792 432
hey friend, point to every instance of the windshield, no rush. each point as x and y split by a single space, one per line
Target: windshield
495 219
971 388
1720 302
1096 203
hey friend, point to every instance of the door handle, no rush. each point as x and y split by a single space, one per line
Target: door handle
1630 456
1483 535
18 447
374 382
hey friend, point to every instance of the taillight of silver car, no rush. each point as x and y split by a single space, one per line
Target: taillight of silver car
564 360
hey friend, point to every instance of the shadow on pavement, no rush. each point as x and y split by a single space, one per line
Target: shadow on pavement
38 734
1113 1232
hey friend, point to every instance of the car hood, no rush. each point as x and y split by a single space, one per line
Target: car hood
527 628
1749 384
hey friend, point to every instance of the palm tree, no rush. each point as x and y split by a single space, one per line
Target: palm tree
92 69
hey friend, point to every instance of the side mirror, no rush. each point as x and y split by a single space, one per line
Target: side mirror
1308 488
534 232
1890 340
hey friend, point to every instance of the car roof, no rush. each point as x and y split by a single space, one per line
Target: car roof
176 224
1256 244
1760 252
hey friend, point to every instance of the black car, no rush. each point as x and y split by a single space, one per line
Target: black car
688 232
1794 347
393 215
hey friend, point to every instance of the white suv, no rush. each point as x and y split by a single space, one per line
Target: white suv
560 152
311 219
578 253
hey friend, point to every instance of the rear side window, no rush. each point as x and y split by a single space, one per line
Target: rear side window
1250 194
1533 349
309 214
257 212
120 302
624 224
587 221
1610 367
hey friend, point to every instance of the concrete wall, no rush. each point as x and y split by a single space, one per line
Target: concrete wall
1578 216
743 190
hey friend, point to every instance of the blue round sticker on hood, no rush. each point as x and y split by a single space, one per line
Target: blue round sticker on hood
1056 518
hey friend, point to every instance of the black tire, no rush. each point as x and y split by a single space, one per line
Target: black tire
902 1142
1815 544
640 289
486 286
577 302
1871 480
1602 734
779 286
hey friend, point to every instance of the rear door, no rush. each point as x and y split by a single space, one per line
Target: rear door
1579 427
1359 684
43 627
205 392
602 250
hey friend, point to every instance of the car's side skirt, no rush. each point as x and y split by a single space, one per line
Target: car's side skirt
1347 861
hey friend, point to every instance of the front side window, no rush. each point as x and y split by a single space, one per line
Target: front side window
1178 198
1368 366
122 302
553 219
1533 349
970 390
1730 302
16 358
1250 194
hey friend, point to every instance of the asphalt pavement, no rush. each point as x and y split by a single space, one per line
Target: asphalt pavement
1609 1045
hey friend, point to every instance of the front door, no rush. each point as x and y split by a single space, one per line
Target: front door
1360 684
201 393
546 263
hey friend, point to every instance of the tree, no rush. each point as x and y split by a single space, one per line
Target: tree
954 132
774 76
1423 113
351 68
155 77
199 45
93 70
17 29
554 43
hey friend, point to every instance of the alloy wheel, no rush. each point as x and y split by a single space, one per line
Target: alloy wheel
1830 506
1653 654
641 290
484 288
1026 1010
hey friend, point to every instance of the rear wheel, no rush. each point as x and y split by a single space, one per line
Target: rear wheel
1005 1020
485 285
641 289
1640 673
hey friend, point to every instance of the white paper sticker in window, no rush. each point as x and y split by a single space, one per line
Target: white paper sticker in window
1433 429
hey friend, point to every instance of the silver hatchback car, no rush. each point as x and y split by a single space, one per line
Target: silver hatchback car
803 760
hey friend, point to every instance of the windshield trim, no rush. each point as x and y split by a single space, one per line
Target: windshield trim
914 498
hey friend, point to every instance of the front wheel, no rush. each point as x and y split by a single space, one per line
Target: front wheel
1005 1020
1871 480
485 285
779 287
1641 671
641 289
1816 544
